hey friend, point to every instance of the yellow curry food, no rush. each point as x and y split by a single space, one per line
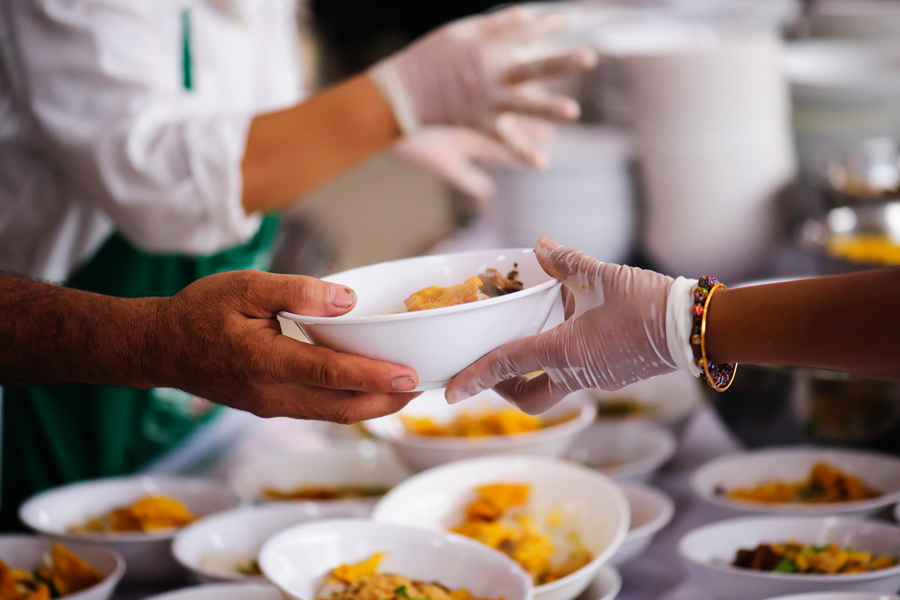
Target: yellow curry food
323 492
824 485
148 513
63 573
796 557
488 285
479 423
362 581
499 518
876 249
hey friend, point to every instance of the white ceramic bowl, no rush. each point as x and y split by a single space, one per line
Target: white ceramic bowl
28 551
223 591
423 452
837 596
712 549
651 510
241 533
297 559
593 505
793 464
605 586
436 343
364 463
625 450
147 555
672 399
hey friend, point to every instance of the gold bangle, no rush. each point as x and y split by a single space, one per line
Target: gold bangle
719 387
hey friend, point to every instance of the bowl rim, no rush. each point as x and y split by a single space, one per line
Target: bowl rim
836 594
663 500
788 509
256 585
665 446
446 535
124 537
112 579
619 497
585 417
610 573
793 577
422 314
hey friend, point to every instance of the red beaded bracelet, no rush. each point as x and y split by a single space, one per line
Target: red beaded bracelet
719 377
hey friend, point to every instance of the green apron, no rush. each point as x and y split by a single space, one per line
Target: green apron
55 434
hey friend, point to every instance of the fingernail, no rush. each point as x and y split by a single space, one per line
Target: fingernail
403 384
457 396
342 297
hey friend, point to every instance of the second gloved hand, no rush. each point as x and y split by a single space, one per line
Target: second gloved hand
482 72
623 325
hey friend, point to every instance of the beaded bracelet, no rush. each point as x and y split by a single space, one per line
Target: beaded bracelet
718 377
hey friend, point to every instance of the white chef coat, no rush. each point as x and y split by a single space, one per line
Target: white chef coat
98 133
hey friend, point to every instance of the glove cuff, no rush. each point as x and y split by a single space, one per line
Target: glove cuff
679 323
390 83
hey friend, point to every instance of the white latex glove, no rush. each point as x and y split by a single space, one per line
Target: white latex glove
482 72
456 153
622 325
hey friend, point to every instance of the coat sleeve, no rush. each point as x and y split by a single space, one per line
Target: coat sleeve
102 79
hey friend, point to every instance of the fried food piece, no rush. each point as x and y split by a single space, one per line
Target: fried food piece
71 573
796 557
149 513
507 421
825 484
360 570
495 284
439 297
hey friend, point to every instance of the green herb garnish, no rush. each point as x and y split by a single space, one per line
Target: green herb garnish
785 566
401 591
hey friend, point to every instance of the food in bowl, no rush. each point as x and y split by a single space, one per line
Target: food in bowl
481 423
490 284
362 581
796 557
620 408
864 248
325 492
826 484
150 513
226 562
499 517
63 573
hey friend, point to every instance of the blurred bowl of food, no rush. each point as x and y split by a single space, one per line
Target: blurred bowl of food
42 568
670 400
631 450
754 557
438 342
430 432
225 546
560 520
854 238
223 591
137 517
323 560
777 406
800 481
651 510
360 471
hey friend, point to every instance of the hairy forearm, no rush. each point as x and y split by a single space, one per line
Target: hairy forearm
52 334
293 151
848 323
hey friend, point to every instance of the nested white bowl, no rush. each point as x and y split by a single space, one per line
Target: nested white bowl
436 343
297 560
147 555
625 450
241 532
837 596
651 510
712 549
605 586
423 452
28 551
364 463
791 464
594 506
672 399
223 591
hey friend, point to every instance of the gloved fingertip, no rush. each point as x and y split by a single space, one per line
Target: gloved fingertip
544 245
586 58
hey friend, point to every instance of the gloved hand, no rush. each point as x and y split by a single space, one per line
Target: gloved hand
622 325
481 72
455 153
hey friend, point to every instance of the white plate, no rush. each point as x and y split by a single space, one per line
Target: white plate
365 463
147 555
593 505
625 450
223 591
423 452
436 343
242 532
651 510
27 552
793 464
297 559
